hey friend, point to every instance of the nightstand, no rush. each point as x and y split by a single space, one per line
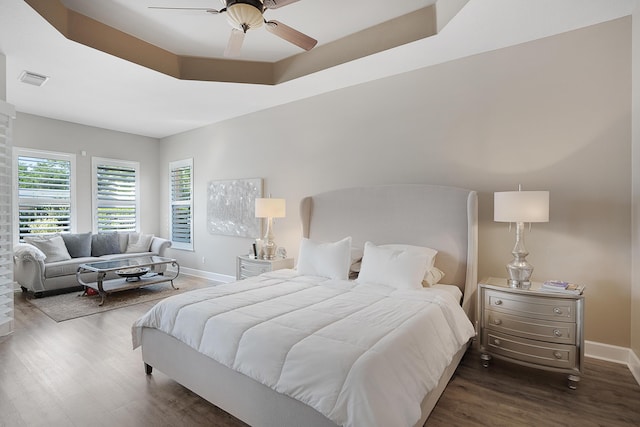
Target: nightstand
247 267
536 328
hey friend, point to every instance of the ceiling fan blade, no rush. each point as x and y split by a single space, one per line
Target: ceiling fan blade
235 43
204 9
274 4
292 36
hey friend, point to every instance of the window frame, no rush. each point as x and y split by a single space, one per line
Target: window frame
173 166
43 154
95 203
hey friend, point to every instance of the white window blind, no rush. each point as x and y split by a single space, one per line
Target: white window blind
116 201
181 199
7 114
44 192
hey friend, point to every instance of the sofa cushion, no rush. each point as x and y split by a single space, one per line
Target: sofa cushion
139 242
68 267
105 244
78 245
52 246
123 239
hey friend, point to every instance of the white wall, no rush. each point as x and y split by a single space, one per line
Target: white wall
635 253
3 77
553 114
55 135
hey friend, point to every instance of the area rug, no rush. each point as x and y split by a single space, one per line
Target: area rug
71 306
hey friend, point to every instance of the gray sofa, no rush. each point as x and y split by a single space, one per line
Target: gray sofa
41 264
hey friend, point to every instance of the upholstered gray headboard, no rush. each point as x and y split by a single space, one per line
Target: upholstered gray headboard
439 217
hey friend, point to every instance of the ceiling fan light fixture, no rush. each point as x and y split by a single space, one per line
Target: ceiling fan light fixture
245 14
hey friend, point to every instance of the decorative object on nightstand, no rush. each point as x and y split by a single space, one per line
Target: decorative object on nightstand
247 266
520 207
270 208
538 328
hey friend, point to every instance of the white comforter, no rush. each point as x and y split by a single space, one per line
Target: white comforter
362 355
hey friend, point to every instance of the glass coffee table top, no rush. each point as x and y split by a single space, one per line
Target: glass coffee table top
117 264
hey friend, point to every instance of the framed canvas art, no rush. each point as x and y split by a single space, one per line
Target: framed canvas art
231 207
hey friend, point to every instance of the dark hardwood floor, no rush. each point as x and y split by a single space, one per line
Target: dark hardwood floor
83 372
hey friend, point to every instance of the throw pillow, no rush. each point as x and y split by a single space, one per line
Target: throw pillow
139 242
105 244
52 246
78 245
331 260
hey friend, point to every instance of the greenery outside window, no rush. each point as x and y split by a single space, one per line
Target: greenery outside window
116 201
44 192
181 204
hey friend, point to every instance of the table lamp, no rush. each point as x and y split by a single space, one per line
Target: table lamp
520 207
270 208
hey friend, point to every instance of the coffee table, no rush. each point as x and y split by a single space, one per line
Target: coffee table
126 273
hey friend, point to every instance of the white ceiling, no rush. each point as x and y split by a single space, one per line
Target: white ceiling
93 88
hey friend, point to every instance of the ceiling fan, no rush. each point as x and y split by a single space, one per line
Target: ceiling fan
244 15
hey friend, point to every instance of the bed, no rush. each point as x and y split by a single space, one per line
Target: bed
264 384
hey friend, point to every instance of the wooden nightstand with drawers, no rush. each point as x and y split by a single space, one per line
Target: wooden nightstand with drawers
536 328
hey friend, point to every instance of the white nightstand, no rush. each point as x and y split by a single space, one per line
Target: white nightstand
247 267
533 327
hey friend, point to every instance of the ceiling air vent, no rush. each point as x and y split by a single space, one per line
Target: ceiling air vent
33 78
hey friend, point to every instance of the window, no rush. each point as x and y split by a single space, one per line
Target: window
45 192
181 200
115 195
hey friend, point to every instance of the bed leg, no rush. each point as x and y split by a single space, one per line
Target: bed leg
148 369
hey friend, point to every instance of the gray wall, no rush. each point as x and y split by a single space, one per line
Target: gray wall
553 114
54 135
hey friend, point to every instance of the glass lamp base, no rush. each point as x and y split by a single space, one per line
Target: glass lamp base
269 249
519 274
519 284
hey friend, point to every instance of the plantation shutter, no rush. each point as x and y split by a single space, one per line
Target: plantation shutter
116 197
44 195
181 204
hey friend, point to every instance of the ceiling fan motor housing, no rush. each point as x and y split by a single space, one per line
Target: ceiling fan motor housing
245 14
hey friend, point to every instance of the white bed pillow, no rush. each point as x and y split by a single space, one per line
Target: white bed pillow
397 266
331 260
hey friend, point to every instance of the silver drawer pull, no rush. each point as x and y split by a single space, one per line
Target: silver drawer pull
557 355
498 302
497 342
557 332
497 322
557 310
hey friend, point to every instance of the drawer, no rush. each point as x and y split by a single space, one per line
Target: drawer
553 355
248 269
535 329
539 307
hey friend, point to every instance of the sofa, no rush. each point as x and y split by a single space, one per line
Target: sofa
46 263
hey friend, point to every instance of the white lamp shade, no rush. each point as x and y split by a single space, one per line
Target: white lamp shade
521 206
270 208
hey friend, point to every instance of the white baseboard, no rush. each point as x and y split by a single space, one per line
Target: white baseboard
634 365
610 353
616 354
223 278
